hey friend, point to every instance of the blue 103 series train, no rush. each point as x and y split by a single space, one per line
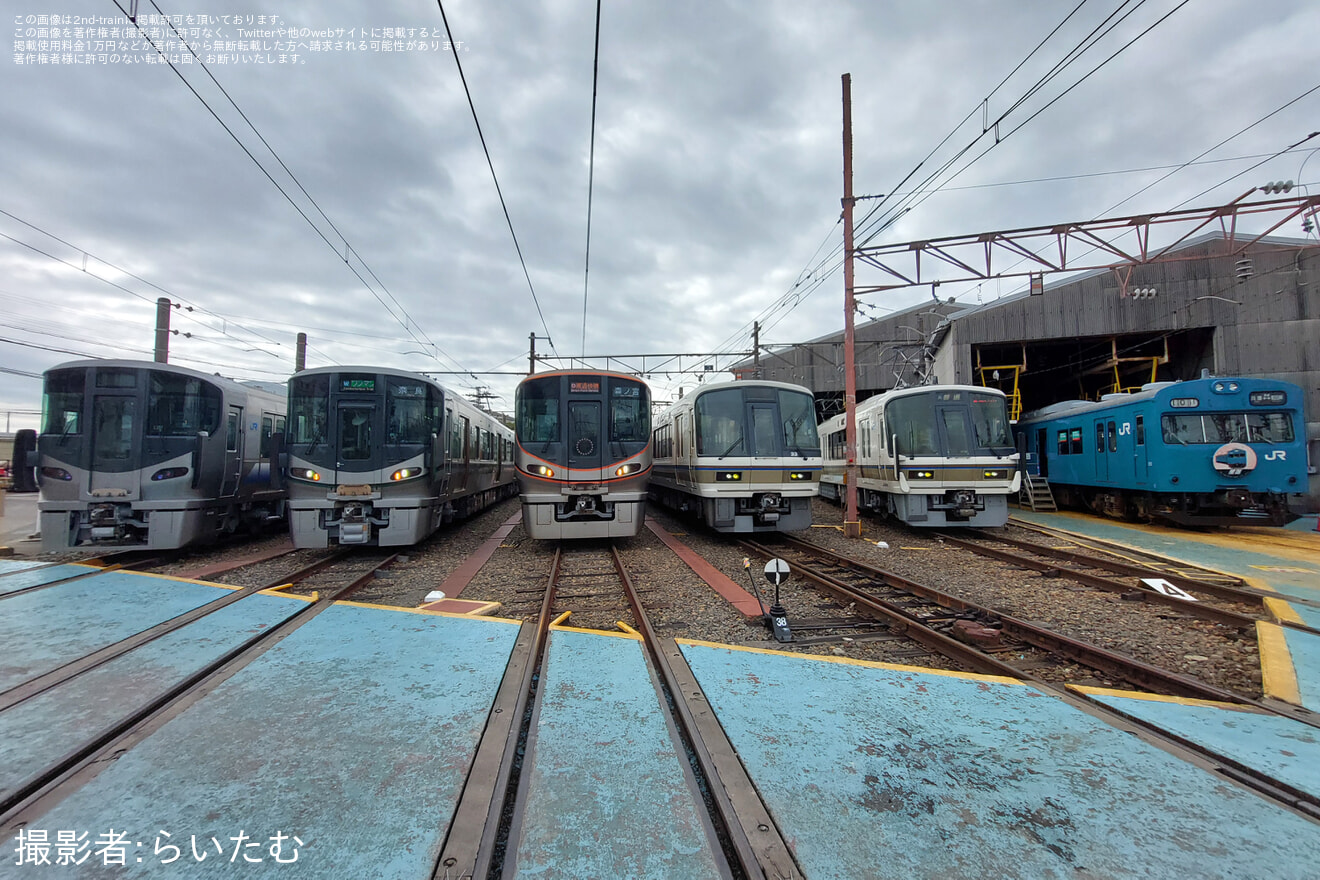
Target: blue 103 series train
1209 451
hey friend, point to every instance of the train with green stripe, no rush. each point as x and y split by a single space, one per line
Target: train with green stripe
743 456
931 455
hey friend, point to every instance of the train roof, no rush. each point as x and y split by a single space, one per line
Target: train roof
745 383
583 372
1149 391
275 389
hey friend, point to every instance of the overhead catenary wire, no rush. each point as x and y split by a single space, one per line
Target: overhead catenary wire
591 177
406 324
449 34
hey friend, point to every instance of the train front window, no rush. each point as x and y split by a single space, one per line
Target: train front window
630 411
355 433
536 411
719 423
62 403
406 412
765 430
912 420
956 438
181 405
798 412
309 409
990 422
112 421
1270 427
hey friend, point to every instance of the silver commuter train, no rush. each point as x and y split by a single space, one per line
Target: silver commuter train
744 455
584 453
381 457
930 455
146 454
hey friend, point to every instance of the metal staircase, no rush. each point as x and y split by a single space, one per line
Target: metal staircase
1036 493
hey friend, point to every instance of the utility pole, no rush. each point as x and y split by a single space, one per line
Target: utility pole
162 330
852 525
756 349
300 357
531 352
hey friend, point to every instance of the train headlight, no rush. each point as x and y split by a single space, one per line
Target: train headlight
169 473
305 474
405 473
56 473
799 475
995 475
728 476
921 475
1225 387
542 471
630 468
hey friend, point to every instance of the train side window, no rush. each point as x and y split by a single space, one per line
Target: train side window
467 439
1075 439
267 428
1141 431
1113 437
1063 442
231 433
1099 436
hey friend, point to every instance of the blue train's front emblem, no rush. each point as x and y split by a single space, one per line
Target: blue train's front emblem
1234 459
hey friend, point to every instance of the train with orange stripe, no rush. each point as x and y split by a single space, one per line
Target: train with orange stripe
583 453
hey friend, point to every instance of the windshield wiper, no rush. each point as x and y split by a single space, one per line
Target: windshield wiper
731 447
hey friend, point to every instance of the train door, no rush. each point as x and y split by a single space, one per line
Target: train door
1139 460
114 430
763 425
1101 452
956 432
233 451
1042 458
585 449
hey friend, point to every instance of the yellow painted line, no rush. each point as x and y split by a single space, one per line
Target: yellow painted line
561 618
1282 611
626 628
170 577
849 661
1160 698
275 591
423 611
920 548
1279 676
598 632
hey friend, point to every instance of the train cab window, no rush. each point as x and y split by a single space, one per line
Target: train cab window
1275 427
181 405
630 411
405 412
719 416
798 413
62 402
1113 437
1141 431
536 415
912 419
267 428
1075 441
1225 428
355 424
309 408
1063 443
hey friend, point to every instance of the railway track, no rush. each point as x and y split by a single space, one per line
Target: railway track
1216 602
1027 652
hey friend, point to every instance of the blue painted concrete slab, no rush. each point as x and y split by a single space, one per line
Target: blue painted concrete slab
1220 551
9 566
353 734
42 729
1305 650
607 792
1280 747
896 773
22 579
1308 614
48 628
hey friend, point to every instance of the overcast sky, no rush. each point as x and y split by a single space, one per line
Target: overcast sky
717 174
